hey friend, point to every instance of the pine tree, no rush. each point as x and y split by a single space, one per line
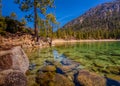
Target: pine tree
38 7
13 15
51 21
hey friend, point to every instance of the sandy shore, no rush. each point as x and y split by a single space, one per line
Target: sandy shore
57 41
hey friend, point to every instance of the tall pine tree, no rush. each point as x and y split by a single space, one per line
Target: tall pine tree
38 7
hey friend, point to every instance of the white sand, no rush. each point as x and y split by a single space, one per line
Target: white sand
57 41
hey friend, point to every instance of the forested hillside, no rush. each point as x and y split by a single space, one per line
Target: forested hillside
101 22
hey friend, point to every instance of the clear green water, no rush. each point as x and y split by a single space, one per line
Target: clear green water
100 57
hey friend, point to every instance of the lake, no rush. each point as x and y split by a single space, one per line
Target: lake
100 57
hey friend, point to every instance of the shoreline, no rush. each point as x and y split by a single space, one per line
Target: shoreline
57 41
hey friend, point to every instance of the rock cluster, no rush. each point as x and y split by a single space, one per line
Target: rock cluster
57 74
47 76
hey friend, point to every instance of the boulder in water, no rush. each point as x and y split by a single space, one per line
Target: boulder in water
53 79
86 78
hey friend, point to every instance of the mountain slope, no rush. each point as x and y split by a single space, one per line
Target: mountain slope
106 16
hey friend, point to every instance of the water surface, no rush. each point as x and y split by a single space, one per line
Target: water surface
100 57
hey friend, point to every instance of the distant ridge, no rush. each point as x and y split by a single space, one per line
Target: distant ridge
106 16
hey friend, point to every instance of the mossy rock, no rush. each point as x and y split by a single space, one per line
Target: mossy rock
114 69
55 63
104 71
95 69
31 81
86 78
44 78
53 79
98 64
48 68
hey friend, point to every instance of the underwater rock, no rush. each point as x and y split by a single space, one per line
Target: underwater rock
86 78
55 63
32 66
114 69
98 64
114 54
69 68
48 68
53 79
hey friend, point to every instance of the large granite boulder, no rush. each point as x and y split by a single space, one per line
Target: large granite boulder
15 59
86 78
15 79
13 65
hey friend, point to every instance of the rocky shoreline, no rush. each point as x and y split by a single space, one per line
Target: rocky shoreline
27 40
24 41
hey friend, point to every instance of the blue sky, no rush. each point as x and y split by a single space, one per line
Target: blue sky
65 11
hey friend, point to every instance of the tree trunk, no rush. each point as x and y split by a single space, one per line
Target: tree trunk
35 21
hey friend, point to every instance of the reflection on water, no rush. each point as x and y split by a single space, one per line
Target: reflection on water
99 57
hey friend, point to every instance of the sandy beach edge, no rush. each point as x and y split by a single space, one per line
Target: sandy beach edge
57 41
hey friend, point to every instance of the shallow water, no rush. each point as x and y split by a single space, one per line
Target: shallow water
100 57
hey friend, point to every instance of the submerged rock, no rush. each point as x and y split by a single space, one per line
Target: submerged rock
114 69
53 79
65 72
48 68
32 66
86 78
